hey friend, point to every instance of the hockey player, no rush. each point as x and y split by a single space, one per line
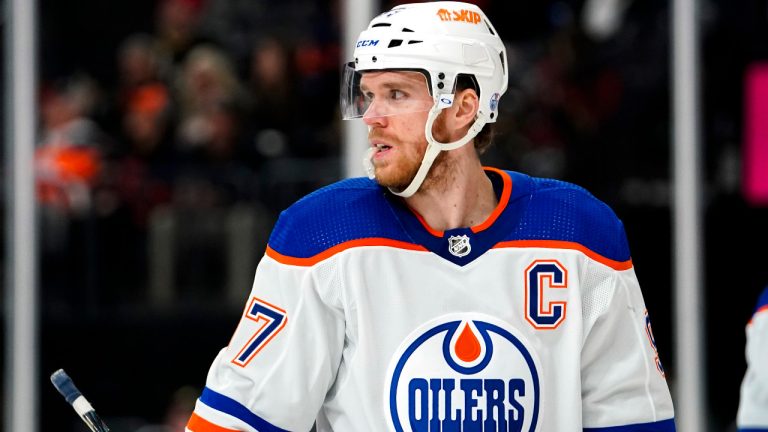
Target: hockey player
753 404
439 295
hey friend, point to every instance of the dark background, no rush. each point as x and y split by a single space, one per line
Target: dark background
591 110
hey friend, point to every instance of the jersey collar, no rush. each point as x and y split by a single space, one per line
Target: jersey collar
463 245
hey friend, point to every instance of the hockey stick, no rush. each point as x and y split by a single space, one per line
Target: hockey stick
66 387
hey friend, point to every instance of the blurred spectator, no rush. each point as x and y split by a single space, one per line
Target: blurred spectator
143 99
68 159
68 169
271 82
211 101
146 120
139 63
177 27
206 86
138 174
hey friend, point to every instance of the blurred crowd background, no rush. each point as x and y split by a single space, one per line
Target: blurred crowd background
173 132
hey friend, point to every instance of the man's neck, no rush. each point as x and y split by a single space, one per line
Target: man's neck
462 197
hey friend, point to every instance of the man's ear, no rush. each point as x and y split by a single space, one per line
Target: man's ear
466 104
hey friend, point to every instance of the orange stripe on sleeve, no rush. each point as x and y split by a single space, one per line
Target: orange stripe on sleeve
558 244
199 424
762 309
373 241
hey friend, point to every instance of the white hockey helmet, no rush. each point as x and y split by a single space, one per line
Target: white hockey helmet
442 40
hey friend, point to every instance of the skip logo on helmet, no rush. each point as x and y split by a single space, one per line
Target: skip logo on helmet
464 371
463 15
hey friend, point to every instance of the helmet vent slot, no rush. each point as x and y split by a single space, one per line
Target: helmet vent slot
414 42
395 43
407 30
501 57
382 25
490 29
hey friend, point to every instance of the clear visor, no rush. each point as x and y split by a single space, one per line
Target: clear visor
383 93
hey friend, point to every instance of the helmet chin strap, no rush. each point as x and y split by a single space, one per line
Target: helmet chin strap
434 148
370 170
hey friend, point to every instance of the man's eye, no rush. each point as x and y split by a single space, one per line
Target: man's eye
397 94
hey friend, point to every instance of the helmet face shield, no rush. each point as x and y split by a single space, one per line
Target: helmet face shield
383 93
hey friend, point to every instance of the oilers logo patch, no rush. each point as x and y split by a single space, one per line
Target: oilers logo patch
463 372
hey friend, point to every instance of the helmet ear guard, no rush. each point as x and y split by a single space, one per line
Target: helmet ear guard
444 40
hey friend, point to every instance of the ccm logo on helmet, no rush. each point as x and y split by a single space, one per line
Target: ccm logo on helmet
463 372
365 43
459 15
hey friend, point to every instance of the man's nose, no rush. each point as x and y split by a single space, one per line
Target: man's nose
374 115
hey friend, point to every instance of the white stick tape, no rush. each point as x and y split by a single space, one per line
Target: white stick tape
82 406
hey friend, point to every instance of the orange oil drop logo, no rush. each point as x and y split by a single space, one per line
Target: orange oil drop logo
467 346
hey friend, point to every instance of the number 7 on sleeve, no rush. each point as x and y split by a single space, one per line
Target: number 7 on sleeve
270 320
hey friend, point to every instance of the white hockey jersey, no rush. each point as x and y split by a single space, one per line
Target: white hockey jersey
363 318
753 404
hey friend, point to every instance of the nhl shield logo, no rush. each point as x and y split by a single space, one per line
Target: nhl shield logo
459 246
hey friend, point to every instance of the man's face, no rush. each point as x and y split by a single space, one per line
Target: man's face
400 102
